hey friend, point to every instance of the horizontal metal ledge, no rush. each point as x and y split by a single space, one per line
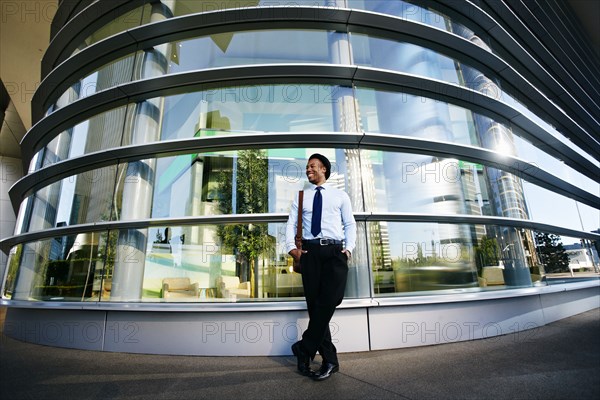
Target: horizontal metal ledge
45 176
189 26
46 129
7 243
462 295
212 306
400 299
139 224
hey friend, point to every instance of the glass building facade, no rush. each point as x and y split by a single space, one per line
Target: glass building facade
172 135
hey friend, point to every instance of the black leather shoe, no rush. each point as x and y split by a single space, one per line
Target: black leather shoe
327 369
303 359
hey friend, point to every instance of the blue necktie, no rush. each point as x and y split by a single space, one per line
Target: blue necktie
315 223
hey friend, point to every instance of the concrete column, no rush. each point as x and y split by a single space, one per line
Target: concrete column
11 170
345 119
138 186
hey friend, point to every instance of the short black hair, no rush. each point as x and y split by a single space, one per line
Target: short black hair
325 162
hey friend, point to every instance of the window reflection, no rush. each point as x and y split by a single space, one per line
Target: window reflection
552 208
537 157
293 108
136 17
78 199
103 131
244 181
403 9
436 185
272 108
185 7
206 263
12 269
567 257
213 263
254 47
415 116
112 74
404 57
218 50
66 268
416 257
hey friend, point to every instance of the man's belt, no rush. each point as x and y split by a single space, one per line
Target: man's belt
322 242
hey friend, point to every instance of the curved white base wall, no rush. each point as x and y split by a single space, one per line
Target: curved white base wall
382 324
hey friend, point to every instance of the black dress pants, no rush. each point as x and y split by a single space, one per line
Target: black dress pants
324 275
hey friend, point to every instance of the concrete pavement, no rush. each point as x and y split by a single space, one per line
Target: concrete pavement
557 361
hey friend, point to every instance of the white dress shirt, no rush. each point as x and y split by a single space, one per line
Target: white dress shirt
337 221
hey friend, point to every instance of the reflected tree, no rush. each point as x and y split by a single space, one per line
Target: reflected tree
244 190
552 252
487 253
12 266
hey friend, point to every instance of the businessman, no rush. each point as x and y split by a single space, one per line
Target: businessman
328 239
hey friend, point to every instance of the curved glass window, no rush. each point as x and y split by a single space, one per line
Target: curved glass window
540 159
78 199
186 7
313 108
317 108
288 108
131 19
556 135
403 114
544 206
439 186
274 108
101 132
404 57
289 46
411 11
403 9
254 47
113 74
413 59
219 50
155 12
65 268
216 112
207 263
149 13
198 263
222 183
217 183
423 257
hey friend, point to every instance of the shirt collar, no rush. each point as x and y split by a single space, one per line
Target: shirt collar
312 186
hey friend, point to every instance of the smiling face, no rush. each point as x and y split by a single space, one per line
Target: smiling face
315 171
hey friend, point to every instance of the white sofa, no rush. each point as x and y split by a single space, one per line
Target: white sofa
230 286
179 288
